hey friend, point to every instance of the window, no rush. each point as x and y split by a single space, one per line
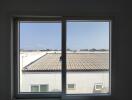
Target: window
71 86
63 56
98 86
43 88
40 44
39 88
88 55
34 88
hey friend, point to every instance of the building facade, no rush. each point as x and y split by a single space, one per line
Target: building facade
86 73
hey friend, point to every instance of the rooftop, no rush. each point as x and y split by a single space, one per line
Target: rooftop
75 62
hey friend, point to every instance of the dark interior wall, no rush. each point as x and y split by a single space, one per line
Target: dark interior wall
121 77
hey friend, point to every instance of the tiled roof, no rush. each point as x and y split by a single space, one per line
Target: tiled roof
75 62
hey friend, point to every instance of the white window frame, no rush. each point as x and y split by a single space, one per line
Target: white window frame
95 86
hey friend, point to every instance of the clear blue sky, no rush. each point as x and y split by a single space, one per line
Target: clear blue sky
80 35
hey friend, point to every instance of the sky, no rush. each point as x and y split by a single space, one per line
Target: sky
80 35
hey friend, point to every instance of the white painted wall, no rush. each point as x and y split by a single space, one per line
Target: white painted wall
84 81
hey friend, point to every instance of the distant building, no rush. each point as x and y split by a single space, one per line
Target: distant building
86 73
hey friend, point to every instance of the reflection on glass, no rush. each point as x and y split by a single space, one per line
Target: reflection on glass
40 50
88 57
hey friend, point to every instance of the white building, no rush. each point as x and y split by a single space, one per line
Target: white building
86 73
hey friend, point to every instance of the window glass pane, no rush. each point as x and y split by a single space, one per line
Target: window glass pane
88 52
43 88
34 88
40 51
98 87
71 86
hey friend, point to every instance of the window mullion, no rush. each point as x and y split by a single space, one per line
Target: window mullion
63 56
